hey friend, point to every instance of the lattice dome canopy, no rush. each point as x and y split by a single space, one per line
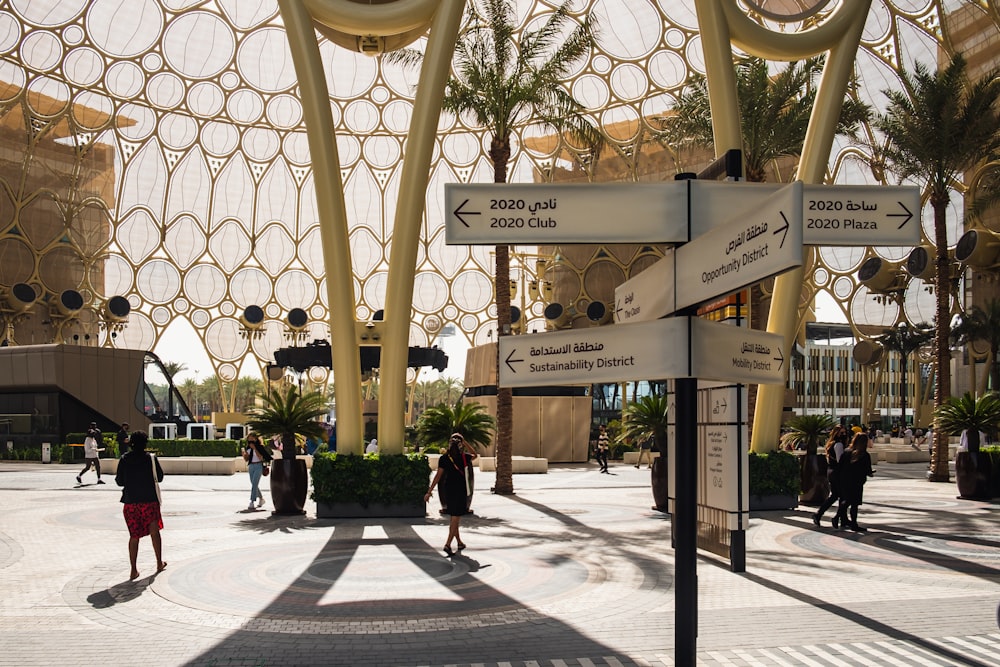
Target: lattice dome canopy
156 149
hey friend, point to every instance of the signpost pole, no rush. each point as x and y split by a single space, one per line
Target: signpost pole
685 523
685 517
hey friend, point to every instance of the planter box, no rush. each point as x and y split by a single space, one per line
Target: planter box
186 465
764 503
903 456
373 511
518 464
632 457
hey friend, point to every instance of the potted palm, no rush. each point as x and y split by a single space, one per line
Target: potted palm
647 418
806 432
972 415
289 415
436 425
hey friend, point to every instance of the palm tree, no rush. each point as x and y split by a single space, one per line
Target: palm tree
774 113
807 431
937 127
172 368
982 324
470 419
288 415
970 414
905 339
504 80
646 418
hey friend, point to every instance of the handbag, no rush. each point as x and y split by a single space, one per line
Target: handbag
156 483
266 471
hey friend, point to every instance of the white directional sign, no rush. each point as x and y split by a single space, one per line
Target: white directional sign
834 215
532 214
538 213
735 354
677 347
755 245
649 295
764 241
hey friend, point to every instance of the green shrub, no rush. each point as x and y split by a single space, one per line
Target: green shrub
993 452
774 474
226 448
617 450
390 479
66 453
21 454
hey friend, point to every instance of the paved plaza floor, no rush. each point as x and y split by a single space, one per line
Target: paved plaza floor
574 570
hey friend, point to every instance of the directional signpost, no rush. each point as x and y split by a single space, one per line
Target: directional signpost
743 251
676 347
733 235
723 260
649 295
833 215
540 213
532 214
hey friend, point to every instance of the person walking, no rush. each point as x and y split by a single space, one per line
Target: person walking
91 451
257 458
122 439
836 445
855 469
644 450
601 454
139 475
453 467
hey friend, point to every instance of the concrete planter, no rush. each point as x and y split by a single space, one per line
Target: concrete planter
373 511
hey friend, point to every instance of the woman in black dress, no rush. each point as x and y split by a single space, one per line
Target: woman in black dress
452 475
855 468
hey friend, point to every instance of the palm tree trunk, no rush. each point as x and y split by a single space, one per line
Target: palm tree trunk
942 352
500 155
994 370
902 391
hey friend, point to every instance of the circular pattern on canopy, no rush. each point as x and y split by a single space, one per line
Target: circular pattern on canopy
201 163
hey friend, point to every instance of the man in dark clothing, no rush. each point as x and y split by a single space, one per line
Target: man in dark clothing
122 439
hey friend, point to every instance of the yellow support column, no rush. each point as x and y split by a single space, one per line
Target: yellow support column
315 99
434 74
723 22
398 23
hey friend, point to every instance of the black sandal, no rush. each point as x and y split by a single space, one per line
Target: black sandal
447 549
460 546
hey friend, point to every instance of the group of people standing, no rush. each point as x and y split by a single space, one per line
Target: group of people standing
849 465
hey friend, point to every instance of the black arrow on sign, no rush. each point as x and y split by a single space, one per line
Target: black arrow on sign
908 215
510 361
780 359
783 228
459 213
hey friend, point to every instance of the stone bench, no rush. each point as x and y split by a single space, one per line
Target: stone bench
906 456
186 465
631 458
519 464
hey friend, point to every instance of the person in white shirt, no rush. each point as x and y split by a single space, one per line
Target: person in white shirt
91 451
908 437
372 447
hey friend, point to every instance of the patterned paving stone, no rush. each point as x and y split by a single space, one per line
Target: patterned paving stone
576 569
